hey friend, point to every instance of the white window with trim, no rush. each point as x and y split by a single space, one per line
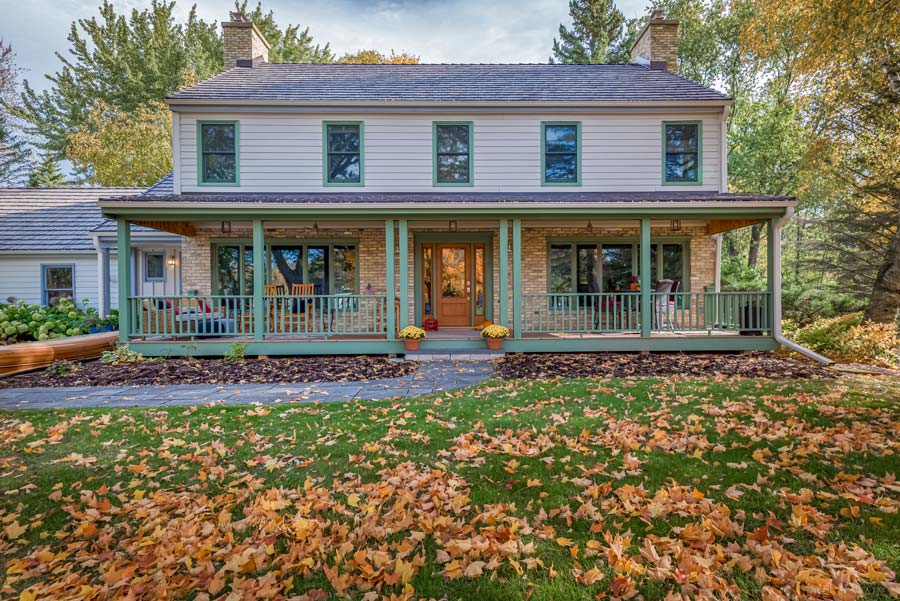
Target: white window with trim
57 283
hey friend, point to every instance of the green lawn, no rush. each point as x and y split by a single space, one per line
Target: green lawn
576 489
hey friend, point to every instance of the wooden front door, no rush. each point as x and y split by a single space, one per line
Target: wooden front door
453 294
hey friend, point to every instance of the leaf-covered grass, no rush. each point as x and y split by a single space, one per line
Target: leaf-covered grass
563 490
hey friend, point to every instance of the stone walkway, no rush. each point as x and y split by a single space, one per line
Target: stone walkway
431 376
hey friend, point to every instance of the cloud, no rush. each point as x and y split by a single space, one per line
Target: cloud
462 31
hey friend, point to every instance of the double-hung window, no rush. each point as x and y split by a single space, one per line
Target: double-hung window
57 283
682 153
154 267
218 150
343 153
453 153
560 153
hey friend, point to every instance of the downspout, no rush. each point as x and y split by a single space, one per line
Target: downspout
776 326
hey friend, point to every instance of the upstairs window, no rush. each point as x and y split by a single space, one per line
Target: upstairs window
561 154
681 152
218 149
343 153
453 154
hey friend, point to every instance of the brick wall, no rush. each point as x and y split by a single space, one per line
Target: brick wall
242 41
658 41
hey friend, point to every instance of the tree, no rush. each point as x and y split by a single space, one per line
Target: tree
289 45
46 175
596 25
374 57
848 77
15 158
124 61
124 149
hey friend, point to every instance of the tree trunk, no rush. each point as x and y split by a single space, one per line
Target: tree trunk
753 253
730 245
885 299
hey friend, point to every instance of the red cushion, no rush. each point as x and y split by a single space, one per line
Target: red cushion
203 306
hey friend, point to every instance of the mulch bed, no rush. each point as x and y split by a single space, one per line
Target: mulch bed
616 365
218 371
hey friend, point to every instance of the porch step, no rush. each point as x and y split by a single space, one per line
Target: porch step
473 355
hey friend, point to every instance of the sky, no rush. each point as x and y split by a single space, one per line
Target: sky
439 31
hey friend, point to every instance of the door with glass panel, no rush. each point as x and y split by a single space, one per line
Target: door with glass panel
453 286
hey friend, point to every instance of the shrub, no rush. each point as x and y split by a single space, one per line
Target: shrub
63 367
495 331
123 355
849 338
411 333
236 353
24 323
808 302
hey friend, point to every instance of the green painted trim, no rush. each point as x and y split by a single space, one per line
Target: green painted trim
770 270
274 348
237 153
259 279
289 213
434 155
646 309
362 155
389 282
504 271
517 277
699 125
123 266
635 343
403 243
544 181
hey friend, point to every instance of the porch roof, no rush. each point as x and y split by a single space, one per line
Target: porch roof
414 199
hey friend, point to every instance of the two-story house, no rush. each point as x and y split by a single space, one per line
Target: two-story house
324 207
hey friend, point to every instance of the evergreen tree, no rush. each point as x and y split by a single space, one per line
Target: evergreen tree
46 175
596 26
15 158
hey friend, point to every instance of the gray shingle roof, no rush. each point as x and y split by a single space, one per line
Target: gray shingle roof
425 198
305 82
52 218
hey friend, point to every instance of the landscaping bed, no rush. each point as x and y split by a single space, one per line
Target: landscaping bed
617 365
163 372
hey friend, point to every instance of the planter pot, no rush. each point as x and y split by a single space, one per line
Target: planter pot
494 344
412 345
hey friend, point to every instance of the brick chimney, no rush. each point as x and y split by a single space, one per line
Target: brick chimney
657 44
244 45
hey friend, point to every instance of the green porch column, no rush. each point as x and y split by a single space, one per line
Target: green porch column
504 272
259 280
123 264
517 277
403 242
773 269
389 276
646 299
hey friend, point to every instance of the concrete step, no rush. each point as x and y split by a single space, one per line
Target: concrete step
471 355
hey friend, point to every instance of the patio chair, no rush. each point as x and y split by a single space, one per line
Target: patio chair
663 307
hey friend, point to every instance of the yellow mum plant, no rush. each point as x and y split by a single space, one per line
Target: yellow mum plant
411 333
495 331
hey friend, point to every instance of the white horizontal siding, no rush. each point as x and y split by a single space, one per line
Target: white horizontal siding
20 277
621 152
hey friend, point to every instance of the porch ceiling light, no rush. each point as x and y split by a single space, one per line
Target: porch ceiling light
675 226
316 227
452 226
590 228
226 227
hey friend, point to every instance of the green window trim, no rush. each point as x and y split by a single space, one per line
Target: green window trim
599 243
246 244
434 154
544 181
699 180
237 152
362 154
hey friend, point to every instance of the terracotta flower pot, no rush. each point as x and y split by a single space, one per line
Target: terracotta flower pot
412 345
494 344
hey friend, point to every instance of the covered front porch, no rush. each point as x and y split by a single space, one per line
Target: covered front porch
333 283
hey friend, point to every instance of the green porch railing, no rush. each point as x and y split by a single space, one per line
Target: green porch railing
183 316
326 315
620 312
601 312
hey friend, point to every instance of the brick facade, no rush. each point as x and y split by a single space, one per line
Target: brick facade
658 42
197 254
241 40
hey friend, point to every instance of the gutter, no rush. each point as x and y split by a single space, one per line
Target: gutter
776 328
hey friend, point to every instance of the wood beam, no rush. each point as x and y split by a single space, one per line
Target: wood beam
724 225
181 228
